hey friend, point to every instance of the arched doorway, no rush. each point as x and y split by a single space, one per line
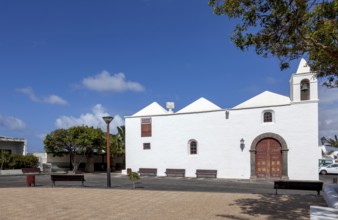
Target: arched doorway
270 141
268 159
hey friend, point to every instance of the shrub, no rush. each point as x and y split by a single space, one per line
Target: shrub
17 161
133 176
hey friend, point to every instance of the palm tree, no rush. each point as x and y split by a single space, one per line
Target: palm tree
117 145
330 142
4 158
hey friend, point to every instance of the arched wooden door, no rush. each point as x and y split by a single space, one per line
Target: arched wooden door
268 158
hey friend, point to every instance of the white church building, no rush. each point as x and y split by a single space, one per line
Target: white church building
269 136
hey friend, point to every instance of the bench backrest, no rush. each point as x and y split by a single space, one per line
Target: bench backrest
67 177
206 171
148 170
175 171
290 184
31 170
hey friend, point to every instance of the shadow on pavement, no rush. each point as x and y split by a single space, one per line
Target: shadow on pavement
279 206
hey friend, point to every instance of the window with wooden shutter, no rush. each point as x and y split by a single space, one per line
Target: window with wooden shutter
145 127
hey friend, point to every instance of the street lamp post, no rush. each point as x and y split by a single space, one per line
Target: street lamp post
108 119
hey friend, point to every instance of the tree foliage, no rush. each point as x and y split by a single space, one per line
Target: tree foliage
133 176
117 144
330 141
78 140
288 30
4 158
17 161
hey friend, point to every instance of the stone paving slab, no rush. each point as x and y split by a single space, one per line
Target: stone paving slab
92 203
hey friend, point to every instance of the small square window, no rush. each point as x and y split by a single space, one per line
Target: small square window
146 146
267 117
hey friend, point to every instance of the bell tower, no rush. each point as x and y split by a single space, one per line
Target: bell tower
303 84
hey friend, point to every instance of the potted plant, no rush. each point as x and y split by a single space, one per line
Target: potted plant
133 176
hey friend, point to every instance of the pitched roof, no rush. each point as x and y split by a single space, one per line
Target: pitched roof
152 109
199 105
264 99
303 67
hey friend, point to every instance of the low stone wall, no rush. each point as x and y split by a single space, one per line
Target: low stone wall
321 213
331 195
11 172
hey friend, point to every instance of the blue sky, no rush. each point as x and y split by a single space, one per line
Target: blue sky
66 63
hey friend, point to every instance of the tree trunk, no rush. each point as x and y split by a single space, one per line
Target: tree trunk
75 163
90 163
112 164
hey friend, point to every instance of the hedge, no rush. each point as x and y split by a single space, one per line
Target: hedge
17 161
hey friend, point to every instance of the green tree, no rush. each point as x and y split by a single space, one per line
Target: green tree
76 141
88 140
59 142
288 30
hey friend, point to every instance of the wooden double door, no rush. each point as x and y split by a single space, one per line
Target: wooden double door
268 159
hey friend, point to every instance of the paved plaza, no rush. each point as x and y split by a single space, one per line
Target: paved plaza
154 198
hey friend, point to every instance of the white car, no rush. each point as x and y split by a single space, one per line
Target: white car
333 168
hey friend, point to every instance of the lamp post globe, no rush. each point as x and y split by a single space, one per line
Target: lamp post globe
108 119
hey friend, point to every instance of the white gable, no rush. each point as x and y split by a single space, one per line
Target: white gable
200 105
264 99
303 67
152 109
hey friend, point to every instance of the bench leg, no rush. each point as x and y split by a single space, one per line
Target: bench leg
318 192
276 192
30 180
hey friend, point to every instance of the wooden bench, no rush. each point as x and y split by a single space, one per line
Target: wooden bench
175 172
298 184
147 171
30 173
67 177
206 173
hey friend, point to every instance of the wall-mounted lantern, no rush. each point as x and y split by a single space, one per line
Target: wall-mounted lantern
242 145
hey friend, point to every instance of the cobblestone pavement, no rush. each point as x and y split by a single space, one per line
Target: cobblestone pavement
154 198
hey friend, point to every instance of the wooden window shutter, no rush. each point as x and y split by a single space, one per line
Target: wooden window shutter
146 127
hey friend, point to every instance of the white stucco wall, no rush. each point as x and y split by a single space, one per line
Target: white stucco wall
15 145
295 83
219 140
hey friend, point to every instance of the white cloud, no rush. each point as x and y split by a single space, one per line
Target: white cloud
104 82
29 92
328 96
12 123
54 99
328 108
328 122
94 118
41 136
